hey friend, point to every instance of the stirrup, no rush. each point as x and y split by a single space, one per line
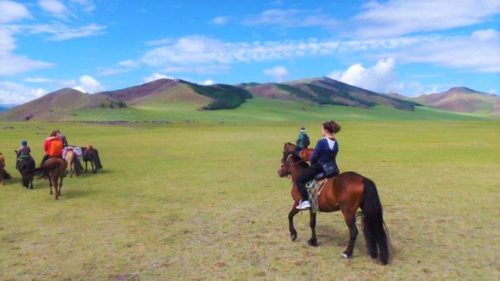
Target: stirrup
311 184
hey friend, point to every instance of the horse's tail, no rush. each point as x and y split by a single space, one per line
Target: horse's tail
5 174
78 166
374 229
41 172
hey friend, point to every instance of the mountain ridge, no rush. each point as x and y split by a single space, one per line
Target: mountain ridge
462 99
64 104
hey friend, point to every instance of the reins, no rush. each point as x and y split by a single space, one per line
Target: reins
293 164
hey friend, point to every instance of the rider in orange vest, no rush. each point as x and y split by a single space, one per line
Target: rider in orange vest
53 146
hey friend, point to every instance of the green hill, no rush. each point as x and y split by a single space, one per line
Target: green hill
324 91
166 91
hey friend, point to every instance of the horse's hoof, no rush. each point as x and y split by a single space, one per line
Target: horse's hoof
313 242
346 256
293 236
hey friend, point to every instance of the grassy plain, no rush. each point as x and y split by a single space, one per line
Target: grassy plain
203 202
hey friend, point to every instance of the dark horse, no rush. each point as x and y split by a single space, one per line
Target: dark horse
345 192
25 167
55 168
90 154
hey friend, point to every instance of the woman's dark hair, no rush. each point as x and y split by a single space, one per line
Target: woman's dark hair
53 133
331 126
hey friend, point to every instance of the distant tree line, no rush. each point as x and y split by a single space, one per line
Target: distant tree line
225 96
113 103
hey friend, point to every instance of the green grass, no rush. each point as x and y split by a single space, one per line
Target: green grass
259 110
204 202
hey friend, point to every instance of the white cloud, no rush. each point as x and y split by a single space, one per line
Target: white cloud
38 80
220 20
54 7
61 32
208 82
477 52
206 55
14 93
159 42
278 73
88 84
156 76
7 42
415 88
199 52
376 78
399 17
485 35
288 18
12 64
12 11
87 5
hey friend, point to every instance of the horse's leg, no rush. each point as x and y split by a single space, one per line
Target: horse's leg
313 241
60 184
55 179
350 220
50 184
85 165
94 167
293 212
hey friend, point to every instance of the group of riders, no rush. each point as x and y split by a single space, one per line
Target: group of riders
323 159
53 146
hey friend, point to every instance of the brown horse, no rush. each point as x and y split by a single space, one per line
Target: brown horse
90 154
69 157
345 192
74 165
55 168
3 173
305 153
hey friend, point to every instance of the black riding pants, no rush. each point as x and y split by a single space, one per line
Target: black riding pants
306 176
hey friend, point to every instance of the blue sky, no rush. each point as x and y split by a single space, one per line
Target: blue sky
408 47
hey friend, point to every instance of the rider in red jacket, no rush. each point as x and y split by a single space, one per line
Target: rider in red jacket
53 146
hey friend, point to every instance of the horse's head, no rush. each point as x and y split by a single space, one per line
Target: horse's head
290 161
287 149
284 169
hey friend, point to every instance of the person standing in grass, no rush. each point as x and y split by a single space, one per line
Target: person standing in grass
302 140
325 154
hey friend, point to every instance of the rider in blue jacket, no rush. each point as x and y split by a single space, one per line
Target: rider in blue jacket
325 153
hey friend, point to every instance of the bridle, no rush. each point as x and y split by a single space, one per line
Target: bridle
293 164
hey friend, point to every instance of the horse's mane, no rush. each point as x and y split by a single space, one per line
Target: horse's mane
299 160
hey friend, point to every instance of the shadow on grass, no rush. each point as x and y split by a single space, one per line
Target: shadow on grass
70 193
330 234
103 171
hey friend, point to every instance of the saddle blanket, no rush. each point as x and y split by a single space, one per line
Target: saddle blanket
77 150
